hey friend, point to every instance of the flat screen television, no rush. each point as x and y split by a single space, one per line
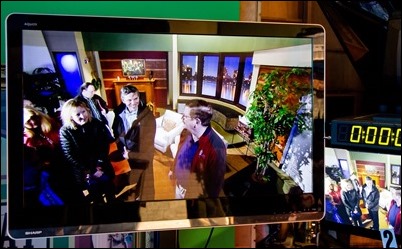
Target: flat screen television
133 67
46 54
362 148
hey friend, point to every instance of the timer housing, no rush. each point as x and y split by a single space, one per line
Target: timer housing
379 132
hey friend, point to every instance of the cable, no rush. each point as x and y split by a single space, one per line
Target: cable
209 237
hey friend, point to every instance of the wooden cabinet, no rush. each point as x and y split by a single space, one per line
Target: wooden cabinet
143 85
283 11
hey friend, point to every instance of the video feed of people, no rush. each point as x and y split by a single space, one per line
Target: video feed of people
363 189
134 122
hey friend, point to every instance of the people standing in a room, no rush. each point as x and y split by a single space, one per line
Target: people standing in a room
85 145
134 128
371 199
393 216
199 165
351 199
334 191
97 105
41 153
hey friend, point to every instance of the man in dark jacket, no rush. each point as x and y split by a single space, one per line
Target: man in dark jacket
371 198
134 128
95 102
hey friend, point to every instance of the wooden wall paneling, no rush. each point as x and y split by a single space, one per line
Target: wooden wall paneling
155 62
378 175
110 97
284 11
364 242
143 85
249 11
245 236
161 97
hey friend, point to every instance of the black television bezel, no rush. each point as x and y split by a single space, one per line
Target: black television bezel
48 222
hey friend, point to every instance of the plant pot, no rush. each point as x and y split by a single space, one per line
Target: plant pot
259 178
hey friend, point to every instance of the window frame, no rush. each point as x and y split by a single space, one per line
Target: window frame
200 73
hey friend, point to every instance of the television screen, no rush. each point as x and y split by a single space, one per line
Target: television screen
133 67
362 175
69 174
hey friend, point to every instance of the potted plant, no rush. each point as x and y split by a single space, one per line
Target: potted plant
273 111
96 81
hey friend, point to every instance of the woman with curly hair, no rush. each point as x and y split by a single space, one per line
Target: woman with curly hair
41 155
85 145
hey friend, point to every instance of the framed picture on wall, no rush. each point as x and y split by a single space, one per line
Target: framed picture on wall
395 174
133 67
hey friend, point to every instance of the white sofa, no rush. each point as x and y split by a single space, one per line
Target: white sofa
168 126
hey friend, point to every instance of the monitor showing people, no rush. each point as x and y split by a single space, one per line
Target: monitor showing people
369 197
119 154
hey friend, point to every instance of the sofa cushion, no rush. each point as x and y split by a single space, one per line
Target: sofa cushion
168 124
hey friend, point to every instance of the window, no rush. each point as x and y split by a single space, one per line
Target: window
230 74
343 163
210 75
223 76
395 174
188 74
246 81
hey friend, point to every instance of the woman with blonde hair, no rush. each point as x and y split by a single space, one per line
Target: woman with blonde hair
39 129
351 199
85 145
41 158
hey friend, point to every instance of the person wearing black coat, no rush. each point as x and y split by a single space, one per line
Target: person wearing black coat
95 103
134 128
85 144
371 198
351 199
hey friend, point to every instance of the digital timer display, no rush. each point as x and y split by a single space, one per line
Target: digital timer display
369 133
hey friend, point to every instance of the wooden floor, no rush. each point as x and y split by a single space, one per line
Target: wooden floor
237 158
164 187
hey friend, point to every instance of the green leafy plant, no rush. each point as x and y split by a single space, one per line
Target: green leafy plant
273 110
96 81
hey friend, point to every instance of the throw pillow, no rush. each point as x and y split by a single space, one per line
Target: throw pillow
168 124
